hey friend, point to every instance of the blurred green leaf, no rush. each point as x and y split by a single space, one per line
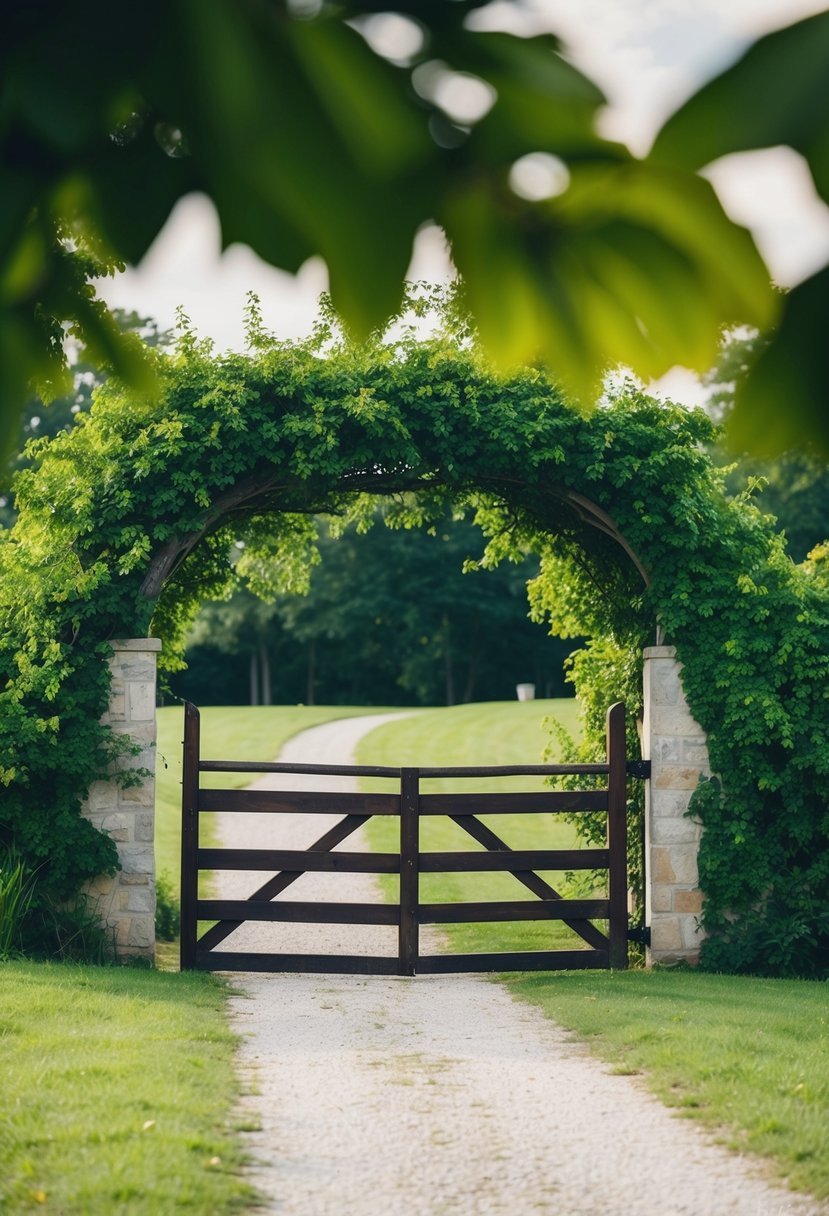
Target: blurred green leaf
260 131
132 190
17 194
784 398
777 93
25 267
684 211
362 96
531 311
543 104
108 347
633 264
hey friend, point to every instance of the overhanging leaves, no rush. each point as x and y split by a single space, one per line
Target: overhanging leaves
310 143
777 93
792 371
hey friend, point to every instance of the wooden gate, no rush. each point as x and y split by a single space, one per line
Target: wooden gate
602 948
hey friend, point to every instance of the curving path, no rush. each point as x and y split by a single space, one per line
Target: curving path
441 1094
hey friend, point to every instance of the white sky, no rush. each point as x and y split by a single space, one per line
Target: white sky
648 55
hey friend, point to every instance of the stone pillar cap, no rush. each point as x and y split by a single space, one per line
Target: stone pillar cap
152 644
659 652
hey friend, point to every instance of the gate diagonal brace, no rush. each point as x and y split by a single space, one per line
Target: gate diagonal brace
276 885
485 836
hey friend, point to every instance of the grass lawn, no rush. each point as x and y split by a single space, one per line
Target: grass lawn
116 1089
496 732
748 1058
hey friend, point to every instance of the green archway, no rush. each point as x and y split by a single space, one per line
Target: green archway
126 524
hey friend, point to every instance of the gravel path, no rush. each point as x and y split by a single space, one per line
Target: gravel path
442 1094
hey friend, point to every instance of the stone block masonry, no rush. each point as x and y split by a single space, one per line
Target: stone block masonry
127 899
676 748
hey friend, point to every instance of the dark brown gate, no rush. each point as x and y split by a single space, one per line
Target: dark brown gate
602 949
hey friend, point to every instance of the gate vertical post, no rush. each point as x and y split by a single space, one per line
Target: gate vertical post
409 870
189 836
617 835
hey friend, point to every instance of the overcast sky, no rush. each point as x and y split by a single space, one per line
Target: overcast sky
648 55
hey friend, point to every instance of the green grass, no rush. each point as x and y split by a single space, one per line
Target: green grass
116 1089
748 1058
235 732
499 732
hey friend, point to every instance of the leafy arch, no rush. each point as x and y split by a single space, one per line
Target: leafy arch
127 522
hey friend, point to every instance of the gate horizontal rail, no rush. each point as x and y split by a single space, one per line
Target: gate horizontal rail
374 770
603 949
313 802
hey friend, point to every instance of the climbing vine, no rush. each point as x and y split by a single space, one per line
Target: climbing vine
130 520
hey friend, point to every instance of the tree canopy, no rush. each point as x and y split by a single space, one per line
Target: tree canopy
339 129
127 522
390 618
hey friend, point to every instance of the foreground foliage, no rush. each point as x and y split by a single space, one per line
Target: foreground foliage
116 1089
420 115
130 520
748 1058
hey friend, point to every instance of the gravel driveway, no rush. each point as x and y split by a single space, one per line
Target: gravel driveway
441 1094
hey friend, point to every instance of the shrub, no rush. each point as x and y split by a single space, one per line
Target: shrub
167 910
16 891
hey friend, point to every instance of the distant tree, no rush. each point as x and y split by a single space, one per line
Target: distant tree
390 618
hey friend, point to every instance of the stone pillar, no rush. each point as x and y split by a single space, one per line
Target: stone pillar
676 748
127 899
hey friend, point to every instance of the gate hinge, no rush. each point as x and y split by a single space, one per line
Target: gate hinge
642 935
638 768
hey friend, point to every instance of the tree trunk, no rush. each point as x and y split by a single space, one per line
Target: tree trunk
473 656
471 678
312 672
265 660
254 678
447 660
